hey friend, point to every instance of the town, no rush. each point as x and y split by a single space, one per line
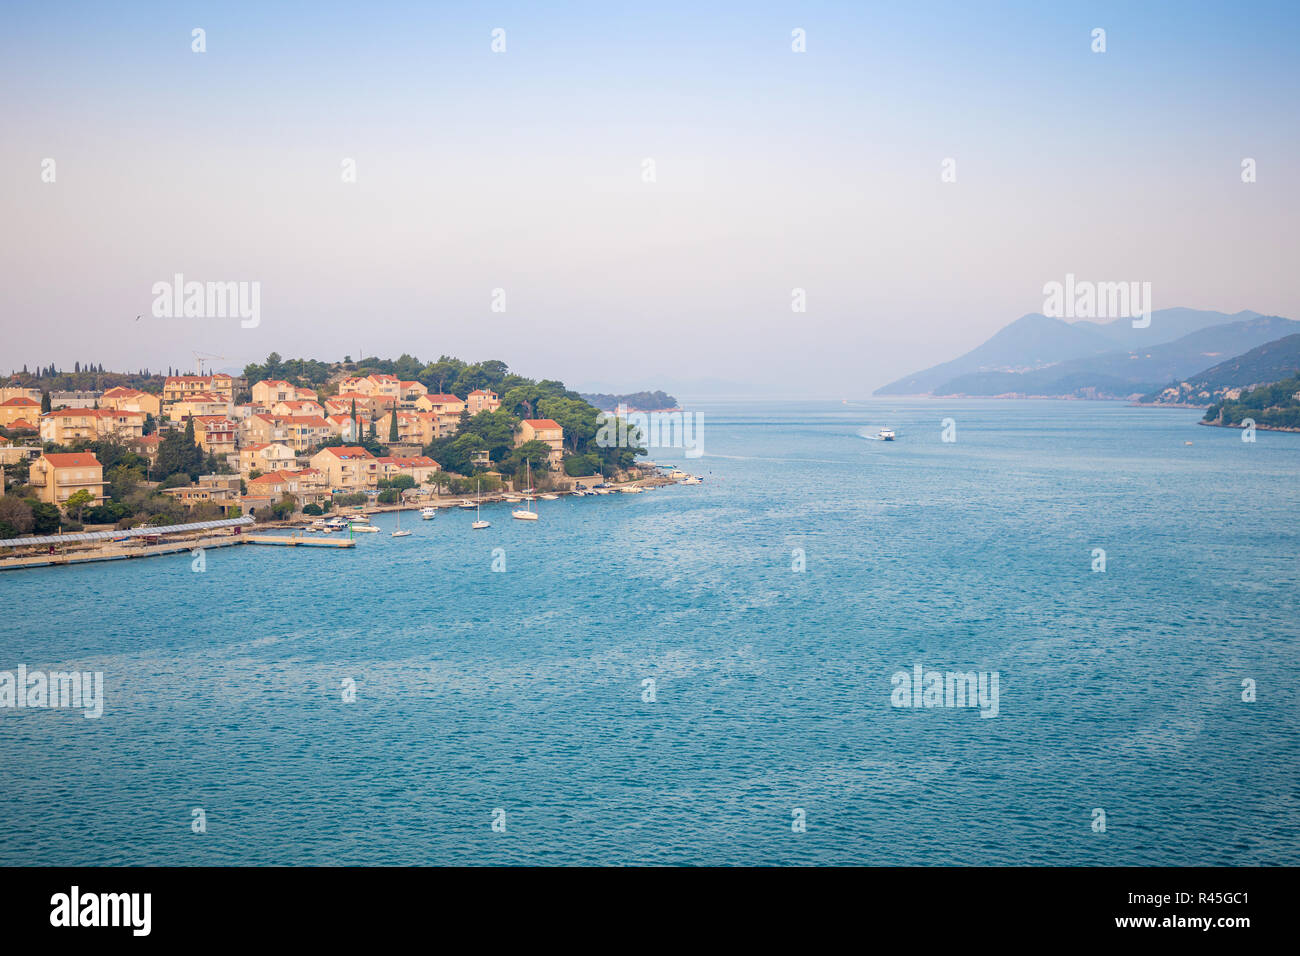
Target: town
292 441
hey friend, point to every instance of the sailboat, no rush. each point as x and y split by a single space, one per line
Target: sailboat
479 523
399 533
527 514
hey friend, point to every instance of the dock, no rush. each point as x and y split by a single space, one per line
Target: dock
295 541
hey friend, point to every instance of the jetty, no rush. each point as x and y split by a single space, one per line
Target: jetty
295 541
120 545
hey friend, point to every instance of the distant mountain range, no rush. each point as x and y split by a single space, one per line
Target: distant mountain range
1046 357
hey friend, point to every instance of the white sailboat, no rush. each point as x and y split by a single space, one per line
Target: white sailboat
399 533
526 513
479 523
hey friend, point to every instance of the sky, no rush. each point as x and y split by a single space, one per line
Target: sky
525 171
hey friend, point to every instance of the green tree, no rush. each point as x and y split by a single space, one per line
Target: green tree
45 517
179 454
77 502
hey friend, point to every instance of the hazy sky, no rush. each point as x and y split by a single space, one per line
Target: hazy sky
523 171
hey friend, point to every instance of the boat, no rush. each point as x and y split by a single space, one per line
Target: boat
692 480
479 524
526 513
632 490
548 497
467 505
581 494
399 533
364 529
677 474
886 434
428 513
604 491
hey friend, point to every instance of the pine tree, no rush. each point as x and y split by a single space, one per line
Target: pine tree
45 403
392 427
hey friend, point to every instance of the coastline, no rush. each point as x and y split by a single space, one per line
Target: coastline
1258 428
183 543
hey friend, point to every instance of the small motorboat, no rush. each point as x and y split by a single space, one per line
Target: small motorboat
692 480
886 434
548 497
366 529
467 505
632 490
428 513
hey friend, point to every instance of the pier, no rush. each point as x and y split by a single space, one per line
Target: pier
295 541
85 547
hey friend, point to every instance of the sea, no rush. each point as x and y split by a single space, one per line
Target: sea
712 674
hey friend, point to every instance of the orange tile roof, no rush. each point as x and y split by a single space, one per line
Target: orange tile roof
20 402
539 423
79 459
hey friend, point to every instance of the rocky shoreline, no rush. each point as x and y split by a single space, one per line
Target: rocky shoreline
1258 428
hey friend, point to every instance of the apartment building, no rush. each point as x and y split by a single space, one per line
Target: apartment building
347 468
545 430
57 477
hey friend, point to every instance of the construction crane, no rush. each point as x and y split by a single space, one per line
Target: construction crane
198 361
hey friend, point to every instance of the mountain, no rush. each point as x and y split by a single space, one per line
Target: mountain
1267 363
1039 356
1032 341
1167 325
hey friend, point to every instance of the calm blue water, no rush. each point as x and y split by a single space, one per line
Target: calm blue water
522 690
